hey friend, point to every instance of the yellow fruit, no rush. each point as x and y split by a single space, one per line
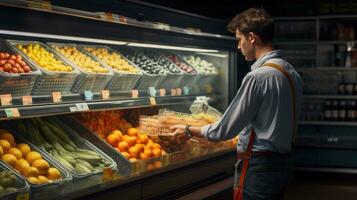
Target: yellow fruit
41 165
30 171
16 152
5 145
8 137
9 159
24 148
21 165
1 151
53 173
43 179
33 180
32 156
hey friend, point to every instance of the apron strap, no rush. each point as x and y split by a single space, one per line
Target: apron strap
293 93
246 158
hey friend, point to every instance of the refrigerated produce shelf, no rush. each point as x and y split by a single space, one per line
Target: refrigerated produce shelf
74 103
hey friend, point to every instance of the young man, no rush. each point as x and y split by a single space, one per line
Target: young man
263 112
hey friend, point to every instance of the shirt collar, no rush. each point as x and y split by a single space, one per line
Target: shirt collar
264 58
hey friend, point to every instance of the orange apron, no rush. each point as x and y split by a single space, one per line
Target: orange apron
238 190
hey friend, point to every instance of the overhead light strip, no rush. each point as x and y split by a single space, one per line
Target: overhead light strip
62 37
157 46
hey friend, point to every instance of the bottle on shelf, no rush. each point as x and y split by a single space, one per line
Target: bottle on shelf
342 111
327 110
351 110
349 87
334 110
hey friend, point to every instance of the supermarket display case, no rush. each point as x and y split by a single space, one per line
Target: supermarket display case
84 107
323 53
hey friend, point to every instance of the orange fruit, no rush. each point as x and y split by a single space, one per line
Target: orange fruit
143 156
21 165
144 138
156 152
16 152
8 137
1 151
131 141
157 164
148 153
132 131
53 173
117 132
116 148
9 159
30 172
113 139
24 148
156 146
125 137
43 179
123 146
33 180
5 145
140 147
126 154
41 165
133 159
32 156
149 146
134 152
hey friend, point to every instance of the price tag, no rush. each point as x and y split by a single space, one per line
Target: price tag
186 90
88 95
162 92
123 19
46 5
6 99
134 93
12 112
23 196
173 92
162 26
26 100
107 174
82 107
152 91
73 109
179 91
105 94
57 97
152 101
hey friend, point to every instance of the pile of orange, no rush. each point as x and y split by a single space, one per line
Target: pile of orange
29 163
133 145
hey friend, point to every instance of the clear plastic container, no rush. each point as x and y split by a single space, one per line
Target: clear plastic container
21 185
50 81
122 81
41 191
86 81
19 84
147 79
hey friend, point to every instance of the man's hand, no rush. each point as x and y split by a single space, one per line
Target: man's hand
179 132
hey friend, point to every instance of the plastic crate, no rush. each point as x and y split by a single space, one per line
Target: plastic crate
171 80
147 79
50 81
21 185
17 84
41 191
122 81
86 81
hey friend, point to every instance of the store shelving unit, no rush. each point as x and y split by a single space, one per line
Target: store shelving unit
170 181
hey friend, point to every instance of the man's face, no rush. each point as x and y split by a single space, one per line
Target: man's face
246 45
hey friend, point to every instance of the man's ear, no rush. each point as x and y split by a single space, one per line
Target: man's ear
252 37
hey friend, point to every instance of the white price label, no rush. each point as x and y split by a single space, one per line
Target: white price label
82 107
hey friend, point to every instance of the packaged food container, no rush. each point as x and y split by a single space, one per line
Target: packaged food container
17 84
153 74
40 191
50 81
123 81
93 77
17 184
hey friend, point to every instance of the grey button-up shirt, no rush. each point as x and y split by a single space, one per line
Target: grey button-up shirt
263 102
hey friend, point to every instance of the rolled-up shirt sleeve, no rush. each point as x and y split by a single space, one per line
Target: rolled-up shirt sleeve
241 111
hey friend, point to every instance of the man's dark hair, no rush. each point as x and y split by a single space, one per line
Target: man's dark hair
255 20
